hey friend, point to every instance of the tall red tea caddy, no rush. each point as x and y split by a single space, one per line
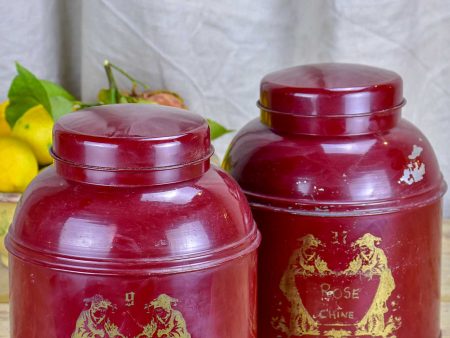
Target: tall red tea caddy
132 233
347 196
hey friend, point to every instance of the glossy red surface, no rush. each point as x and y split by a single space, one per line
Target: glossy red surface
331 89
132 137
133 145
350 221
331 99
133 260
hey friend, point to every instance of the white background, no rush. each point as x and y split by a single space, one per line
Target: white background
214 53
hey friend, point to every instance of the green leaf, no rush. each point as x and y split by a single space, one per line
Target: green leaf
131 99
110 96
217 130
123 99
54 89
145 101
104 96
60 106
26 91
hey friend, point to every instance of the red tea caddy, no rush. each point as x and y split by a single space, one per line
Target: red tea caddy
132 233
347 196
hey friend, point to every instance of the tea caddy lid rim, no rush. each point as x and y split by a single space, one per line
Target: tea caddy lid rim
124 169
131 137
327 89
330 116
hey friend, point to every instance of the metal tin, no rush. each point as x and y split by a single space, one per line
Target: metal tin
347 196
132 233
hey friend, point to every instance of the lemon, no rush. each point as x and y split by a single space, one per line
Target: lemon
7 209
5 129
18 166
35 128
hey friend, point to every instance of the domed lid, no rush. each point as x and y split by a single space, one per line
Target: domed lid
332 93
131 138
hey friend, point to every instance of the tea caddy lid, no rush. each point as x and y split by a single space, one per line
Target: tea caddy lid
331 99
171 144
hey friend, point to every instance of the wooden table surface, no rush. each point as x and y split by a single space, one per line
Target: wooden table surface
445 310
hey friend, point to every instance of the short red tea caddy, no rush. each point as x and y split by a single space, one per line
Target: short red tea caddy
132 233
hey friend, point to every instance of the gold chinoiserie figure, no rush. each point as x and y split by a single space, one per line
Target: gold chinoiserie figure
165 322
304 261
372 261
94 321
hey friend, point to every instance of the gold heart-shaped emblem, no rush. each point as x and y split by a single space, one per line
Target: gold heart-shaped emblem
337 304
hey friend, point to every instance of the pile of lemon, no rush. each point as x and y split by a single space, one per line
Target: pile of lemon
24 148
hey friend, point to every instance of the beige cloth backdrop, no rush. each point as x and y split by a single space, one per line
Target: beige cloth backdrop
215 52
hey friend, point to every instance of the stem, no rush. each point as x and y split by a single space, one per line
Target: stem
114 90
128 76
82 105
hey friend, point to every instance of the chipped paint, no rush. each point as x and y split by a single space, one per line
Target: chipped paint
415 169
415 152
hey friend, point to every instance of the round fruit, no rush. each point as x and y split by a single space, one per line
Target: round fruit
5 129
35 128
18 166
164 98
8 204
